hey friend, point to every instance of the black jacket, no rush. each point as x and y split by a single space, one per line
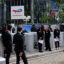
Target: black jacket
19 42
7 41
40 34
56 33
33 29
47 34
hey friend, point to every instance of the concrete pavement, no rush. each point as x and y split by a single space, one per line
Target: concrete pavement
53 57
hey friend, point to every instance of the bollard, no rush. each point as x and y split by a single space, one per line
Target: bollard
61 39
29 41
52 43
35 40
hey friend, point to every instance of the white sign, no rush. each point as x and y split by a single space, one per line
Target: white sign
17 12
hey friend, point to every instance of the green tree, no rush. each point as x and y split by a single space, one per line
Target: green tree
47 18
61 16
44 18
58 1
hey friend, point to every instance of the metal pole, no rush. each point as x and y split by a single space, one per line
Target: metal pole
5 13
32 11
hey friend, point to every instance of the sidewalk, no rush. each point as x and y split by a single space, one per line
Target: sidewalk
35 54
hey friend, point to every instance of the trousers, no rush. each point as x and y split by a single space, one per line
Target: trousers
57 44
23 58
7 57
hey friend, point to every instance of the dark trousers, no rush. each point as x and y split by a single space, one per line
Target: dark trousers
57 44
4 53
23 58
47 44
7 57
40 47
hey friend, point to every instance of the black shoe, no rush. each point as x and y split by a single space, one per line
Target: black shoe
46 49
40 51
50 50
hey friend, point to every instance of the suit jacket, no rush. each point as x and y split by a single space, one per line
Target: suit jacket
7 41
47 34
56 33
33 29
19 42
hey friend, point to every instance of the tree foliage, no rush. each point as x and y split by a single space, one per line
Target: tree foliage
47 18
61 16
58 1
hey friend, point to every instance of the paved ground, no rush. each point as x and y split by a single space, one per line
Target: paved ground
53 57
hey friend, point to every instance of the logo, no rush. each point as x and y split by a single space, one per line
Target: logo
17 11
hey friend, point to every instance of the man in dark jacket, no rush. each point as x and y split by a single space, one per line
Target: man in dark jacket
19 46
56 37
7 43
33 28
47 39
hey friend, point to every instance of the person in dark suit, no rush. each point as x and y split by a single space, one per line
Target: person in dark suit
3 31
19 46
47 39
7 43
50 28
33 28
56 36
40 34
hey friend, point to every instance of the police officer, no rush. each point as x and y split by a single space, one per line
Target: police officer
19 46
47 39
56 37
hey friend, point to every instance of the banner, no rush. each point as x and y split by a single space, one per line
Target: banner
17 12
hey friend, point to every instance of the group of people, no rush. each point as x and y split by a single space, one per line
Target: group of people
18 42
44 35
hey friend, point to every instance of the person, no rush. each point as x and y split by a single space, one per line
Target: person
42 26
56 37
47 39
7 43
19 46
50 28
40 43
3 31
40 34
33 29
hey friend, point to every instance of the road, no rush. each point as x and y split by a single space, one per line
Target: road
57 58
